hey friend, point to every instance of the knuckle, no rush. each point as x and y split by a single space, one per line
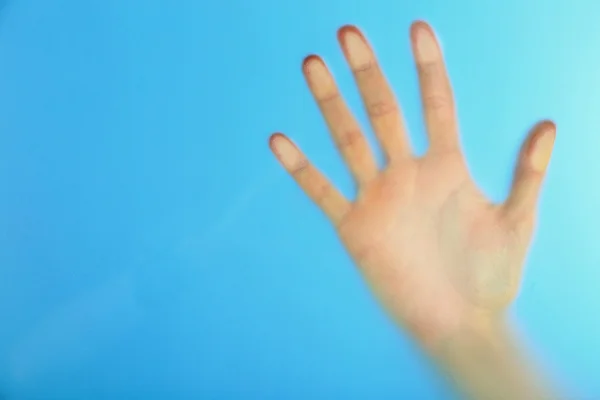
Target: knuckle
328 97
381 108
322 192
437 102
428 69
349 139
365 68
300 167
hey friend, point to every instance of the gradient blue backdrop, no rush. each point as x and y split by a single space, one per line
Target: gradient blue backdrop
151 247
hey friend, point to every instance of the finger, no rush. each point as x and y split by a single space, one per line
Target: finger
314 184
378 98
531 168
436 92
344 128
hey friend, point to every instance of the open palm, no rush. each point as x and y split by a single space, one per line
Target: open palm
436 252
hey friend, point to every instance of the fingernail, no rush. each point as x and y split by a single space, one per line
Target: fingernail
357 49
311 64
285 151
542 150
318 76
425 45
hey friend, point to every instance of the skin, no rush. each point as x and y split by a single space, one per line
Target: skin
435 251
442 259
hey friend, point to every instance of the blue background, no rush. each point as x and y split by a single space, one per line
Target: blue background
151 246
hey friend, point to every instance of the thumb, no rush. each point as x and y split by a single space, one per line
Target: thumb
530 171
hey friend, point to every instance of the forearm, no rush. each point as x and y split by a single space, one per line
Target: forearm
485 361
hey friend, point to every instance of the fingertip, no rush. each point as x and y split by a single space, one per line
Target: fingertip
275 143
426 45
542 144
356 48
346 29
419 24
547 125
308 60
274 137
529 175
287 152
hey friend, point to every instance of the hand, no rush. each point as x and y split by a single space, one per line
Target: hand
435 251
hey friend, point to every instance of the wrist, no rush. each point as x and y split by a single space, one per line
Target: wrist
476 325
484 360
